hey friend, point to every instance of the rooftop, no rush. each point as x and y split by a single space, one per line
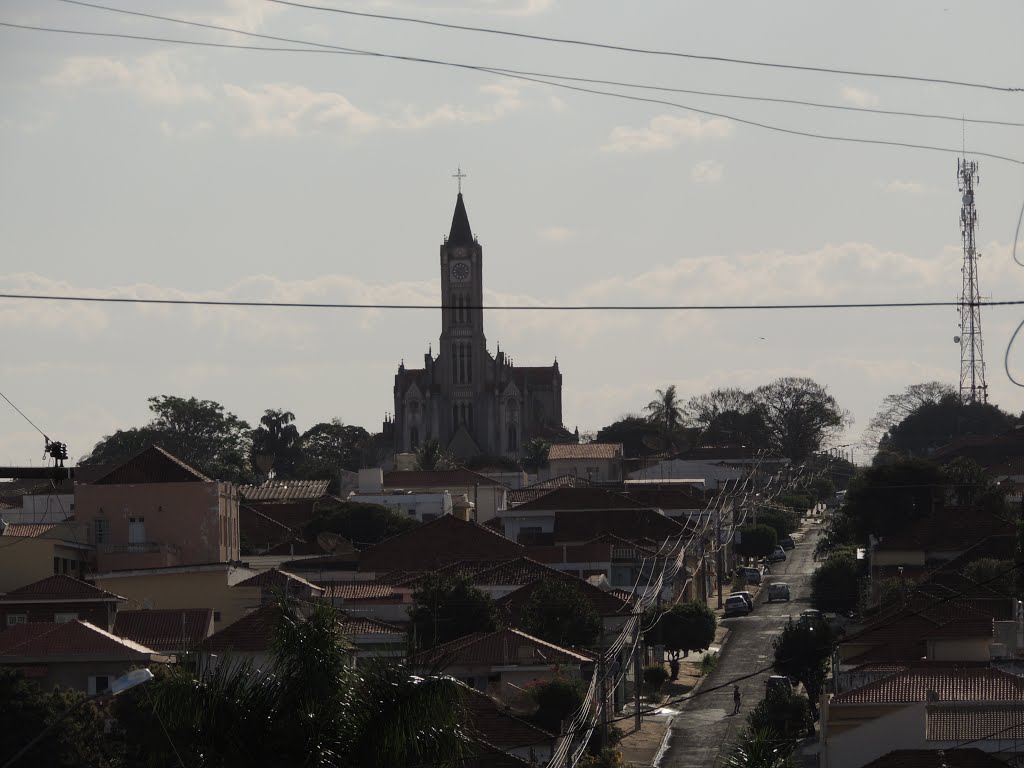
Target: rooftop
69 639
436 478
581 497
975 722
28 530
948 684
152 465
430 545
275 578
935 758
569 451
59 589
285 490
167 630
504 647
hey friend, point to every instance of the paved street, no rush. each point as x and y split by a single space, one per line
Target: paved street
705 729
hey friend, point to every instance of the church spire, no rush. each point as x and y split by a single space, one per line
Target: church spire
461 233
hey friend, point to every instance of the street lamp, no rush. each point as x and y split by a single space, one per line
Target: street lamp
120 685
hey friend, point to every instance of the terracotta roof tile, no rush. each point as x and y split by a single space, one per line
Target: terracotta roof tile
496 725
949 684
439 478
167 630
275 578
518 572
579 498
518 496
152 465
362 625
285 490
569 451
29 530
580 526
252 632
62 588
359 590
995 722
72 638
504 647
605 603
934 758
444 540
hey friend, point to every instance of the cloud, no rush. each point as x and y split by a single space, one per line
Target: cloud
907 187
666 132
193 130
290 110
707 171
154 78
506 99
859 97
556 234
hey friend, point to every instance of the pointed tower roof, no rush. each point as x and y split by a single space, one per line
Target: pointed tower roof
461 233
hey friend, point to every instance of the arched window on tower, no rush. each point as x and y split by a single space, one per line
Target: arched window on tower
512 428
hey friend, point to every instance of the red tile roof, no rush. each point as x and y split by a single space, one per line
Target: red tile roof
68 640
570 451
167 630
580 526
579 498
493 723
29 530
444 540
504 647
970 722
605 603
285 490
438 478
949 684
152 465
60 589
361 625
516 572
934 758
359 590
275 578
252 632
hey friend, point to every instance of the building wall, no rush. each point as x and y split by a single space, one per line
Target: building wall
75 674
419 506
966 649
187 589
184 523
597 470
489 499
49 508
100 614
25 560
899 728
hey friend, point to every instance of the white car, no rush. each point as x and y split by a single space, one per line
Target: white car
778 591
736 605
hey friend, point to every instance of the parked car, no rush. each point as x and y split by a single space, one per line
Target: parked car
748 596
751 575
736 605
811 614
786 542
777 556
777 682
778 591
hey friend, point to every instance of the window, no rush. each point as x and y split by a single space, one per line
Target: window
16 618
64 618
101 531
98 684
56 566
136 533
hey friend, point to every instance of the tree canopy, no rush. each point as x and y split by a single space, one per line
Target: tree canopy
361 524
446 608
276 441
835 584
328 447
802 652
681 628
630 430
933 424
755 540
888 497
666 409
898 406
559 612
799 414
431 455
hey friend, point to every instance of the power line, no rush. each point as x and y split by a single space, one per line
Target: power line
510 307
566 86
645 51
26 418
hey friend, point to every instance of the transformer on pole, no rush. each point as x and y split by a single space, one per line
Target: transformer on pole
973 388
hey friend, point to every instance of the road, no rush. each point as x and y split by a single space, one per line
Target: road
704 730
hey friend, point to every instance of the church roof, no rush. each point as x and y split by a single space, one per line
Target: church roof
461 233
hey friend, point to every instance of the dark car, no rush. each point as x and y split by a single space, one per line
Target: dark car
777 556
786 542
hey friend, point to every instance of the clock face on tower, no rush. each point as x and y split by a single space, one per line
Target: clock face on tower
460 271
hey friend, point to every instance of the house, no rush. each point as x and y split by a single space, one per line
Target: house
155 511
186 586
291 503
930 758
376 600
533 522
58 599
488 496
517 496
598 462
74 654
267 585
493 723
374 639
422 507
170 631
503 663
33 551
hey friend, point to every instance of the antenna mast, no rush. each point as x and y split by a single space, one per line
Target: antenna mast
973 388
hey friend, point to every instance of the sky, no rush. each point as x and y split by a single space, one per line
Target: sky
155 169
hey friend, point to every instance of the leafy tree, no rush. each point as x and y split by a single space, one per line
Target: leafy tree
796 501
630 430
935 424
838 530
362 524
800 415
430 455
835 585
655 676
277 438
26 711
755 540
702 411
967 480
761 749
556 698
784 713
535 455
783 521
446 608
995 574
887 498
738 428
823 488
684 627
666 409
328 447
307 706
802 652
897 407
199 432
559 612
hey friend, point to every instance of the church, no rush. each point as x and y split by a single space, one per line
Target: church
473 403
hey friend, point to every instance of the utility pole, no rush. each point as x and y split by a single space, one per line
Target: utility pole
719 553
973 388
638 674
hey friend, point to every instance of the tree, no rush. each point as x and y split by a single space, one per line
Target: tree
26 711
897 407
798 502
755 540
630 430
120 446
783 713
738 428
992 573
360 523
559 612
887 498
782 520
307 706
666 409
329 447
802 652
701 411
760 749
535 455
446 608
430 456
557 698
934 424
799 414
835 585
277 438
684 627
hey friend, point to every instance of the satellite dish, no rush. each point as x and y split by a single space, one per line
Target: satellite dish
956 339
328 541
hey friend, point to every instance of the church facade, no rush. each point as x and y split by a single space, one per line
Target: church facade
472 402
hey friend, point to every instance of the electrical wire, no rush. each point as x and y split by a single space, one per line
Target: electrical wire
26 418
645 51
509 307
1013 338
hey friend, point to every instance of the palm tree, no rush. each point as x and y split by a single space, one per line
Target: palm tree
430 455
666 409
276 442
535 455
761 749
308 707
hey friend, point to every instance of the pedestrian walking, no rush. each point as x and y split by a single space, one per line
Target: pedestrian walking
736 699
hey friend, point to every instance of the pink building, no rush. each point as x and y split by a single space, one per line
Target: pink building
155 511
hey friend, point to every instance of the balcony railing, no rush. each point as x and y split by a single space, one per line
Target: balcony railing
137 548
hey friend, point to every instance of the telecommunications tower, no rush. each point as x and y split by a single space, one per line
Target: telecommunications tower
973 388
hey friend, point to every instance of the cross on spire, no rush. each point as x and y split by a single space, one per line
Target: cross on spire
460 176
